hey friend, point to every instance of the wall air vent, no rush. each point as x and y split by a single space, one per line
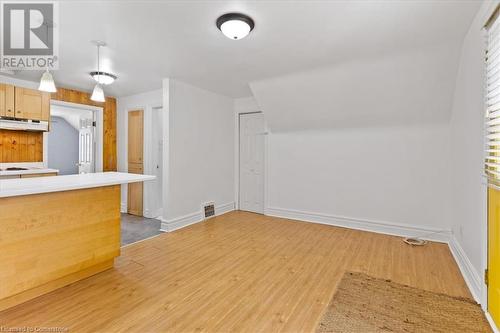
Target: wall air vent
208 210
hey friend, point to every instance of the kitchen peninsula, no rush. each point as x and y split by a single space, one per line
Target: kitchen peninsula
57 230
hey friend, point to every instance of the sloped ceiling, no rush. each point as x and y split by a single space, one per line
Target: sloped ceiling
399 88
152 40
386 80
70 114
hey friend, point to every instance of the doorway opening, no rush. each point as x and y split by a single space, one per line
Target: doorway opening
144 155
74 143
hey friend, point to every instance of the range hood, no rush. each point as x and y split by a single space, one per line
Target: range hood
24 125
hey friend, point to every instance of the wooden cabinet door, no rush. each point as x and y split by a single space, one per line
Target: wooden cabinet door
6 100
32 104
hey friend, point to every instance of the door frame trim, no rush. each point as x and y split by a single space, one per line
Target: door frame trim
149 191
99 132
147 109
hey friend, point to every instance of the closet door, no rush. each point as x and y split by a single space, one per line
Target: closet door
135 160
252 162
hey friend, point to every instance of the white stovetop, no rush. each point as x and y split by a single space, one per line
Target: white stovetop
33 168
30 171
27 186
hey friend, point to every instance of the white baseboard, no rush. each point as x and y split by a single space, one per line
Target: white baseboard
180 222
470 274
492 323
186 220
225 208
388 228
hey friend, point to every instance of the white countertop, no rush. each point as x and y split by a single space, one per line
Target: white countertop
27 186
30 171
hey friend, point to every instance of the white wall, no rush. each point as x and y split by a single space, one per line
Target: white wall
145 101
364 143
381 176
246 104
389 175
468 213
201 152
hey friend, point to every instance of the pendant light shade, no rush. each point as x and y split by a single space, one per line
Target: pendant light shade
47 83
98 94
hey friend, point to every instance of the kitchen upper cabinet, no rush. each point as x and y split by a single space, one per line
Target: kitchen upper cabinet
32 104
6 100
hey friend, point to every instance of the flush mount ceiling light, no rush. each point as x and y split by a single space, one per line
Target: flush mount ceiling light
100 77
235 26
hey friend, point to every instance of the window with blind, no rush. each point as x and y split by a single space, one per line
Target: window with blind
492 156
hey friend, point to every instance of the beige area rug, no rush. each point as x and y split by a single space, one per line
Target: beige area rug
366 304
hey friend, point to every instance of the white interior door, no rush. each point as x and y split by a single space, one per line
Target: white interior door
86 163
252 162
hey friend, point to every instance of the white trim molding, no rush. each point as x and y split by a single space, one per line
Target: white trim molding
380 227
123 207
492 322
192 218
469 273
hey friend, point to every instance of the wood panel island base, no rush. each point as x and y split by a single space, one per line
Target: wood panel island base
57 230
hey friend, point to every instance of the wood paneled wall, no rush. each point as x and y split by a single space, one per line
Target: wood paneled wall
21 146
109 126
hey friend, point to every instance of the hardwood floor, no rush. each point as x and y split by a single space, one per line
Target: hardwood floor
236 272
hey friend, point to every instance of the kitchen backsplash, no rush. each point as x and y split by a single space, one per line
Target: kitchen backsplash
21 146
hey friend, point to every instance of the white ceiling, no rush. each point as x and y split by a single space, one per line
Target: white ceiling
71 114
150 40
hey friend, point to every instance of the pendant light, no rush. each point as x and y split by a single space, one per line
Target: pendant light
98 92
47 81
